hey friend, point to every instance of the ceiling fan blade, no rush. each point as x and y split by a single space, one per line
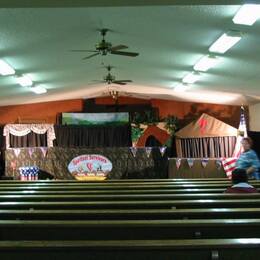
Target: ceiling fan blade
124 80
99 81
83 50
118 82
131 54
90 56
118 47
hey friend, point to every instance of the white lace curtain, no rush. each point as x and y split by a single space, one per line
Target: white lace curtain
24 129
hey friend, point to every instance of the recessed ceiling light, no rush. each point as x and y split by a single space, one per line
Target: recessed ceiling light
225 42
191 77
181 88
24 81
206 62
6 69
38 89
247 14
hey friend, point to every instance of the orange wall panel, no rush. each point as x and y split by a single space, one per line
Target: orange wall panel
185 111
46 112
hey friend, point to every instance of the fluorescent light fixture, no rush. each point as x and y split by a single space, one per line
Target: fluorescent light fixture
206 62
6 69
225 42
181 88
38 89
24 81
247 14
191 78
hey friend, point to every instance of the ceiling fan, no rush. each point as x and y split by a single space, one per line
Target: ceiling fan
109 78
104 47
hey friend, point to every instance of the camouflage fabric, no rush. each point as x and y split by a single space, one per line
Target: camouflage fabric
56 161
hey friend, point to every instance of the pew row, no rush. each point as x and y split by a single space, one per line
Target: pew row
203 249
133 204
128 229
133 214
126 197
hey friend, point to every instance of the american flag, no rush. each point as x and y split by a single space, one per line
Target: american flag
230 163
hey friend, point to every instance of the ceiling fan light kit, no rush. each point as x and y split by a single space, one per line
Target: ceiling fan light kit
111 79
104 47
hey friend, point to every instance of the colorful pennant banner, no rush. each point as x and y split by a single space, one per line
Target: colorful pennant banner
190 162
17 152
148 151
218 164
204 162
44 151
162 150
178 163
31 151
133 150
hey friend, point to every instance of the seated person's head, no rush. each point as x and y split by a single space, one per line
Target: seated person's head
239 175
247 143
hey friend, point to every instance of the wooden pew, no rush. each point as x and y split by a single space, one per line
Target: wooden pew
126 197
128 229
133 204
203 249
114 191
133 214
116 186
119 187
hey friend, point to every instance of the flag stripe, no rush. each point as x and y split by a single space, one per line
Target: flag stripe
229 164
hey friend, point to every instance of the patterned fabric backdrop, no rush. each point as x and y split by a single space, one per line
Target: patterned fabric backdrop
55 160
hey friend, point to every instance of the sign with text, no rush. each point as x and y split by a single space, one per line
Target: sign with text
90 167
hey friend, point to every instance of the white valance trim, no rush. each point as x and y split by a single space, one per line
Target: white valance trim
24 129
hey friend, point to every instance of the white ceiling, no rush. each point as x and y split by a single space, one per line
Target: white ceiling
170 39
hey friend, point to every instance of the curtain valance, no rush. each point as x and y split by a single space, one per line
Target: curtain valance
24 129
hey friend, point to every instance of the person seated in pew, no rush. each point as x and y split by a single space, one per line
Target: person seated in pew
240 183
248 159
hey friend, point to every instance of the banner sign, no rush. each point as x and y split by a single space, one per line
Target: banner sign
90 167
